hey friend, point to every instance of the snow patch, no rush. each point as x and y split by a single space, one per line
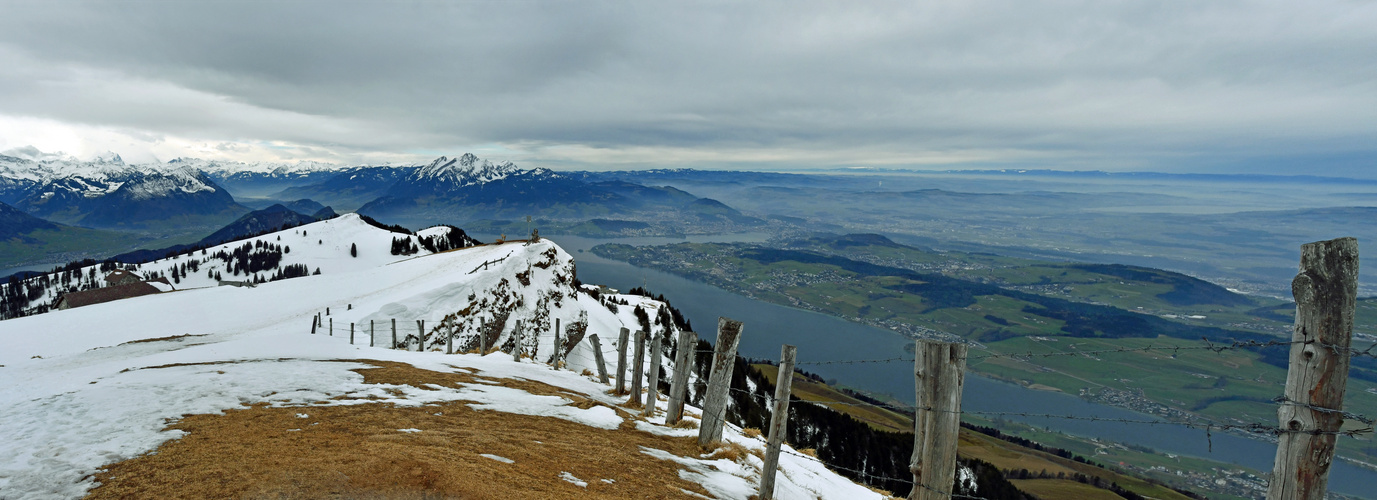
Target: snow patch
504 460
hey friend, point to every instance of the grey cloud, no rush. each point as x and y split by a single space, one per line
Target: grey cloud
1080 81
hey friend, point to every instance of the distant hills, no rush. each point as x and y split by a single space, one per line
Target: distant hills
273 218
14 223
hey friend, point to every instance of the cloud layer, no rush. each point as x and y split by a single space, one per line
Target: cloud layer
1229 86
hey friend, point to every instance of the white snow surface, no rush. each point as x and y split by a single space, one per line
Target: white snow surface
80 392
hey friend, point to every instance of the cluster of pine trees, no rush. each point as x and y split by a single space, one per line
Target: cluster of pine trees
404 246
251 258
292 271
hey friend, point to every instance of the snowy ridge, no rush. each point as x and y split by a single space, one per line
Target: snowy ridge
185 180
81 393
468 170
226 167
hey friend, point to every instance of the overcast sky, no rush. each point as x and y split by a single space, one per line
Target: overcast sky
1218 86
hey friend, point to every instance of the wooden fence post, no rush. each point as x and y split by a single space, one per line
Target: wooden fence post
482 337
314 320
1326 291
779 421
719 381
394 333
516 347
351 333
652 376
597 355
420 331
332 327
622 339
678 386
449 339
637 366
938 374
558 347
371 333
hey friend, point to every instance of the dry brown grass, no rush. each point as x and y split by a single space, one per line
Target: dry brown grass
751 432
686 424
728 450
810 452
357 452
162 339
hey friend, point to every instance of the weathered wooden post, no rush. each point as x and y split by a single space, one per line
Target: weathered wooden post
719 381
420 332
482 337
449 339
332 327
622 340
678 386
371 333
938 374
558 347
314 320
779 421
637 366
597 356
516 347
394 333
351 333
1326 291
652 376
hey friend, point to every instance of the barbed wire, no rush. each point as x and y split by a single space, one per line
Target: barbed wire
853 361
1209 346
1254 428
1284 401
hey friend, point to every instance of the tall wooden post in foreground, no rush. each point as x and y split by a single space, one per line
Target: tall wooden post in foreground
720 381
638 365
652 376
779 421
372 334
678 386
394 333
1326 291
938 373
597 356
516 346
622 339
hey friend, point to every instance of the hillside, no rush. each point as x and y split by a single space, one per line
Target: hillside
235 374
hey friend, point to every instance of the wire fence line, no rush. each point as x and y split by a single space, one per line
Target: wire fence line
1208 427
1209 346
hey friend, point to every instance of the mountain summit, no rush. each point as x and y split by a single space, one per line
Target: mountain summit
467 187
465 170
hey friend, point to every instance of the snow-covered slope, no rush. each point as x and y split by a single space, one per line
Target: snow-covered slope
98 384
322 246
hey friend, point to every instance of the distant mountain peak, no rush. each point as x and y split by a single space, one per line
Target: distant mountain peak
108 157
467 170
